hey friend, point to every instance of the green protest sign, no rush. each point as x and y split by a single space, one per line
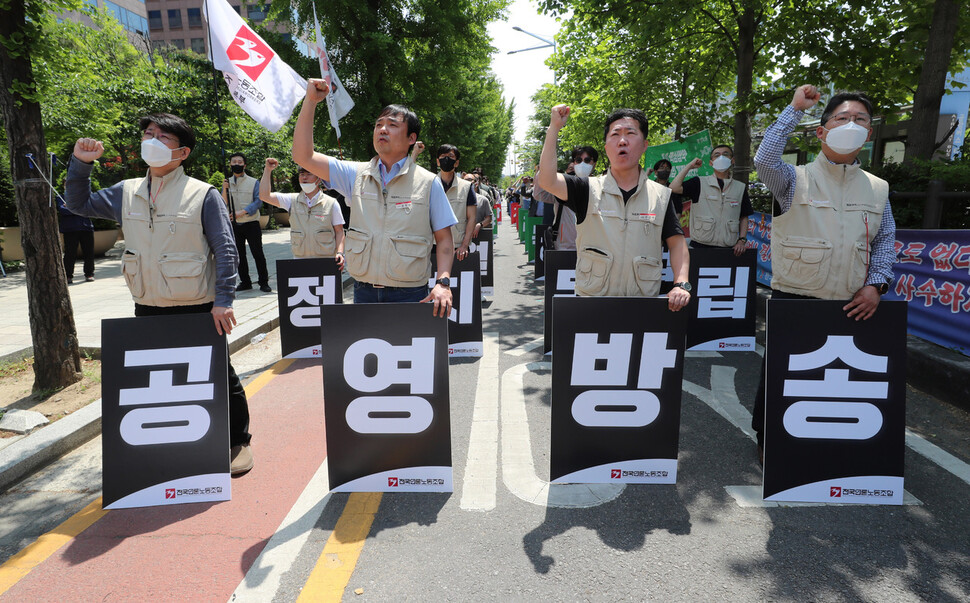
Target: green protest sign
681 153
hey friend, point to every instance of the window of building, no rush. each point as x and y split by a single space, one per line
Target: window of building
155 19
175 20
257 12
198 45
178 43
195 17
131 21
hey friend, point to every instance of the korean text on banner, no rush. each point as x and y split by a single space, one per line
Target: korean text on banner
258 79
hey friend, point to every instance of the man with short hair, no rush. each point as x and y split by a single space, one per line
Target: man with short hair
483 209
461 197
564 224
720 205
831 204
241 189
622 216
193 220
316 219
399 209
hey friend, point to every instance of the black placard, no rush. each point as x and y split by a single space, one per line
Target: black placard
465 321
540 249
164 411
560 269
835 416
484 245
722 308
303 286
386 398
617 367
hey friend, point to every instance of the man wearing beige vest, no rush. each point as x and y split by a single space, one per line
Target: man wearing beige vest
461 197
399 209
241 194
163 212
316 222
720 205
622 217
833 233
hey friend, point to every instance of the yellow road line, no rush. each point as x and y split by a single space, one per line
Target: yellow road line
37 552
21 564
332 573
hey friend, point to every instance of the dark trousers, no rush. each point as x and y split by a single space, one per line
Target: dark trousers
758 414
365 293
85 238
238 406
250 232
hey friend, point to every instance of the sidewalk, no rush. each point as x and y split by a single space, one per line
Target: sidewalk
108 297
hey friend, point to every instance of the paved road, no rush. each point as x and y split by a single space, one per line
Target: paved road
504 533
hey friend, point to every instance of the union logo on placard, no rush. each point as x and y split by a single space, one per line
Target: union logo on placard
169 492
835 492
615 474
392 482
249 53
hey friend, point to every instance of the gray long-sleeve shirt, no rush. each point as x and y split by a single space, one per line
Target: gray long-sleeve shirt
106 203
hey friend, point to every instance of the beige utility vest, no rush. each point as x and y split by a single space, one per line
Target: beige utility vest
390 241
458 198
618 246
311 227
715 218
167 259
241 193
821 246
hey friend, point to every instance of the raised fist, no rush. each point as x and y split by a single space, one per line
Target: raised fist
317 90
805 97
559 116
418 148
272 164
88 150
693 165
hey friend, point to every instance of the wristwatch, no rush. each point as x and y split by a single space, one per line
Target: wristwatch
745 239
444 282
685 286
882 288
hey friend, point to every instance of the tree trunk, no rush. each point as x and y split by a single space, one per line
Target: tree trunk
742 119
57 362
921 141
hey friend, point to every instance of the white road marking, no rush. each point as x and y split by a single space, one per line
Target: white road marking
525 348
481 468
939 456
518 466
266 574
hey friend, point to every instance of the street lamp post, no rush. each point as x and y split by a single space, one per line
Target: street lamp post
547 44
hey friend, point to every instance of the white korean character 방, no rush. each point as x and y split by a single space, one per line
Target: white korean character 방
717 282
835 419
401 414
310 291
168 424
633 407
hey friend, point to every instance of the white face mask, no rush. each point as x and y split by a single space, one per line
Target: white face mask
583 169
722 163
155 153
308 187
846 139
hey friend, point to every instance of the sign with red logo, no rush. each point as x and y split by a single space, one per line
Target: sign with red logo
249 53
392 482
615 474
835 492
169 492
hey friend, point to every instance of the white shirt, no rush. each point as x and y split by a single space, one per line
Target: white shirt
286 201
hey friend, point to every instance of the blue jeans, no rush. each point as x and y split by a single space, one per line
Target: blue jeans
365 293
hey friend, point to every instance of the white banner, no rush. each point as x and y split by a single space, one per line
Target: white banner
339 102
260 82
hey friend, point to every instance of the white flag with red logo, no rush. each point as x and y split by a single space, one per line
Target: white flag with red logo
258 79
339 102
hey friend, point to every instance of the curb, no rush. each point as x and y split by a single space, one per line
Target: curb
930 368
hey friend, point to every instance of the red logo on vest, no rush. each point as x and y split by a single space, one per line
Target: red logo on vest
249 53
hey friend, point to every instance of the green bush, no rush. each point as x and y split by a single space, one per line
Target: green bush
916 177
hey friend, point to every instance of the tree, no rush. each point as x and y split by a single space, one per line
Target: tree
57 361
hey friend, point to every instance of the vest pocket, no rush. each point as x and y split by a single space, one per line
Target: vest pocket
860 265
298 242
183 276
592 271
131 268
804 262
324 243
647 272
409 261
702 229
734 227
358 254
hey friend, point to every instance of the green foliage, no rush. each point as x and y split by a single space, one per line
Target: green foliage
915 177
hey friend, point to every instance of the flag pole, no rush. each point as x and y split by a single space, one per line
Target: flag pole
215 87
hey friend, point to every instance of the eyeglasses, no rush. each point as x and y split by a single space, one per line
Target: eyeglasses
586 159
162 136
845 117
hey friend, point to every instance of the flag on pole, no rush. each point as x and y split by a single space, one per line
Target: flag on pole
258 79
339 102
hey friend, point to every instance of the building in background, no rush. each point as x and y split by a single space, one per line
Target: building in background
132 14
181 23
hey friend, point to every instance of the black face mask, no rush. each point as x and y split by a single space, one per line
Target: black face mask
447 164
238 169
663 175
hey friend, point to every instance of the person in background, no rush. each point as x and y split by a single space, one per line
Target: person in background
77 230
241 194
